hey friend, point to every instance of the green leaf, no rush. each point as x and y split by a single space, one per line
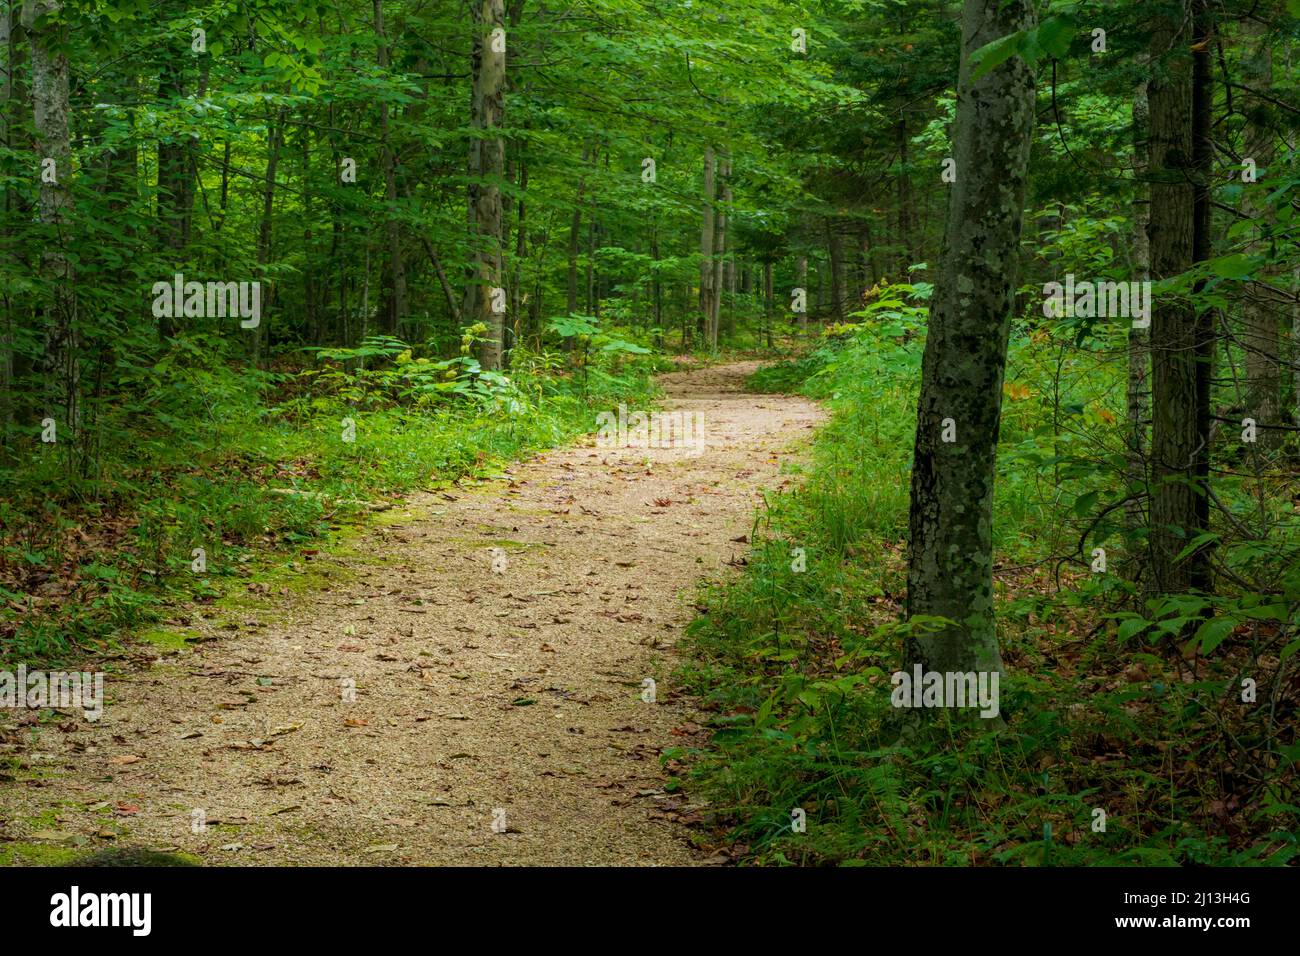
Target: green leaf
1132 627
1054 36
1235 266
1196 543
618 345
1213 632
1083 504
992 55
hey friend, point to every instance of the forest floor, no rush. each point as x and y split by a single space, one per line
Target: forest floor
477 690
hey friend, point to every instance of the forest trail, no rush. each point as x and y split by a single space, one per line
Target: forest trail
474 690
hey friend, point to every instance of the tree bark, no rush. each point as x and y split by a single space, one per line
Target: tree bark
275 138
395 292
1263 331
1176 439
720 251
905 210
950 569
706 246
1138 390
486 167
47 40
175 177
7 47
839 280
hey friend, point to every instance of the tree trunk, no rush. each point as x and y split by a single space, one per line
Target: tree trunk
1262 339
720 252
395 291
706 246
656 284
7 303
1138 393
60 366
1175 436
950 569
904 203
768 316
575 237
521 249
801 282
275 137
486 167
175 178
839 280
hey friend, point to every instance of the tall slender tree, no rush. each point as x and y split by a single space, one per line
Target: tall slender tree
950 566
486 169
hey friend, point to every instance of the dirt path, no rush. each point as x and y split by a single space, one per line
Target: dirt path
475 689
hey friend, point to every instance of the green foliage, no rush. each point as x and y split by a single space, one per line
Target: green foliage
793 661
218 480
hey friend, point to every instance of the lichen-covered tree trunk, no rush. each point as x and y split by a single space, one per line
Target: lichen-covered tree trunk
1175 440
950 569
60 366
486 168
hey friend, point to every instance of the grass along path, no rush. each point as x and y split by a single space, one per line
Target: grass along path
475 689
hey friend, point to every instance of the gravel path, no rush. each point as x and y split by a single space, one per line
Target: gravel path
489 685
